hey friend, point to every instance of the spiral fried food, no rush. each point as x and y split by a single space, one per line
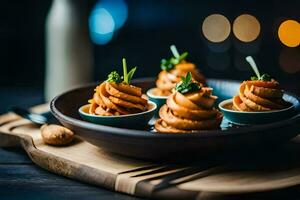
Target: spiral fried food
167 79
259 96
117 99
186 113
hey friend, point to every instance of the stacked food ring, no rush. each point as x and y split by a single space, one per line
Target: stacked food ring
167 79
190 112
259 95
117 99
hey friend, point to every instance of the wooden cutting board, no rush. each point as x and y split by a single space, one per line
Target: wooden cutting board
84 162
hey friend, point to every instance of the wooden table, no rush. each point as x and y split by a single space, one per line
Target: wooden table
22 179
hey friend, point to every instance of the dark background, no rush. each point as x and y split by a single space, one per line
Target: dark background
152 26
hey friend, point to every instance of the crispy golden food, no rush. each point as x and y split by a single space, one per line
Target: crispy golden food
56 135
259 95
116 96
190 112
117 99
167 79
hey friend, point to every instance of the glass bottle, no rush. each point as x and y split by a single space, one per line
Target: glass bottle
68 48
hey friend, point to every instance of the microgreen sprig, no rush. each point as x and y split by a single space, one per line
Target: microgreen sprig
187 85
126 78
168 64
258 77
114 77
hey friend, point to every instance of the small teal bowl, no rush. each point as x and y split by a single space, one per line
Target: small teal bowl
253 118
139 120
159 100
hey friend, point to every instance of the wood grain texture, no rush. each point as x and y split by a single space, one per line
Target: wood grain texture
91 165
13 155
85 162
32 182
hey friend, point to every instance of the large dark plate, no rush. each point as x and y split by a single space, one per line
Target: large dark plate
149 145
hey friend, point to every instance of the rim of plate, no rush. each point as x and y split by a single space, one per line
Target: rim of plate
154 106
149 94
227 101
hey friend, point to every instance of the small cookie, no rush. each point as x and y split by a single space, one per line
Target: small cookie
56 135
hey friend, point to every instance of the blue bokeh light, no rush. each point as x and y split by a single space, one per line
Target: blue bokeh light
118 10
101 25
107 17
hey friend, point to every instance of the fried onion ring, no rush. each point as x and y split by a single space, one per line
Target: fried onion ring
182 113
167 79
117 99
259 96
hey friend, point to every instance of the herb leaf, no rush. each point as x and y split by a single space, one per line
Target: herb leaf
130 74
188 77
114 77
126 78
174 51
183 56
254 78
265 77
258 77
168 64
252 63
187 85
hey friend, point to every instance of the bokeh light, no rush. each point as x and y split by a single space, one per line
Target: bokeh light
216 28
289 33
101 26
118 10
246 28
107 17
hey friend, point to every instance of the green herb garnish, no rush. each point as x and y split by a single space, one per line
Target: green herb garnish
187 85
264 77
126 78
114 77
258 77
168 64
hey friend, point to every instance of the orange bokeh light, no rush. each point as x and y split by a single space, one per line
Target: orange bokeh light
289 33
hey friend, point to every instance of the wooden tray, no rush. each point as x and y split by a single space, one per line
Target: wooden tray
261 173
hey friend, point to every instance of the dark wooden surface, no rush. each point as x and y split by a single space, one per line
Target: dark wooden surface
22 179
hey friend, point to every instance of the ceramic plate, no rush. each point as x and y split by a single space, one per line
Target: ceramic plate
146 144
